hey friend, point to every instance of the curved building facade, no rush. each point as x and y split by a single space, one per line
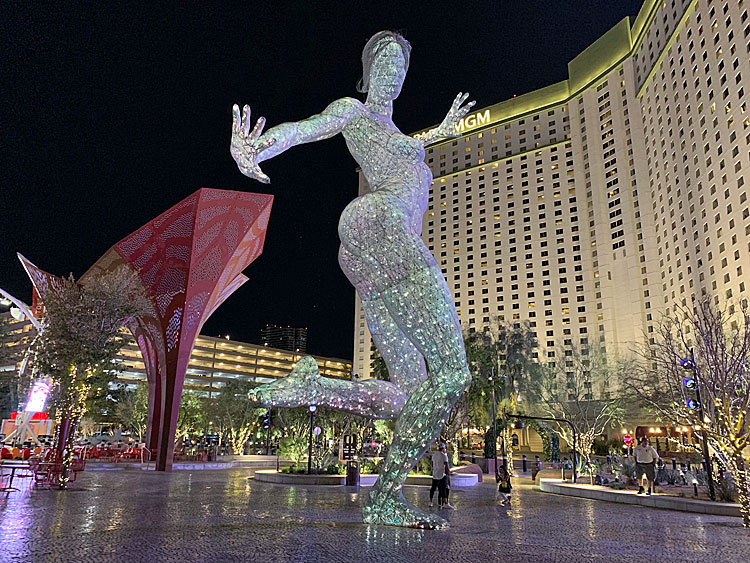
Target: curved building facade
589 207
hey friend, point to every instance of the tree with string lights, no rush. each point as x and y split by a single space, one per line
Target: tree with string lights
575 387
80 340
695 372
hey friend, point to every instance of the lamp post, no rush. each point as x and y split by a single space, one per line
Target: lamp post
691 365
7 300
312 409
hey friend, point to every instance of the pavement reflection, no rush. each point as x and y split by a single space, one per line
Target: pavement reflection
132 516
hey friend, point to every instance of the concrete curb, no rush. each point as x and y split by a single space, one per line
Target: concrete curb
558 487
175 466
271 476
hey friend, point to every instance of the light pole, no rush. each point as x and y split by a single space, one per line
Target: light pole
312 409
8 299
691 365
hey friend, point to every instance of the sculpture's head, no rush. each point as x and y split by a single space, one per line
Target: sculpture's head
385 60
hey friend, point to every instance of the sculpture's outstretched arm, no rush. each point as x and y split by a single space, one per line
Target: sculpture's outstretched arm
447 128
250 148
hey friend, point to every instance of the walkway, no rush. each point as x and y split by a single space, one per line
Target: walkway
138 516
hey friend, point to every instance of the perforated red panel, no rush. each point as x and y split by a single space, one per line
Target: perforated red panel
189 260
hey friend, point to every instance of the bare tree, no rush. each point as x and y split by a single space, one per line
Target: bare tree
574 387
706 347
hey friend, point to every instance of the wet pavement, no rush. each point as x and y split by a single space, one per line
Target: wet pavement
206 516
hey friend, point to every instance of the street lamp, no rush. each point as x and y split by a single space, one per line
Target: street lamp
312 409
694 383
6 299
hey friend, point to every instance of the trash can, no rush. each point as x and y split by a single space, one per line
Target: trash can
352 473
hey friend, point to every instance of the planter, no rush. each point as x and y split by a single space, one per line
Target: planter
458 480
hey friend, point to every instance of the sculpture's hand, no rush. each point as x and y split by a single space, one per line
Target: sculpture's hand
246 144
448 127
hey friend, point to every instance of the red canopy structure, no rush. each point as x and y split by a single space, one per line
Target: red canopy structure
189 260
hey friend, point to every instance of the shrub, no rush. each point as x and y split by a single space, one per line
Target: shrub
373 466
293 469
600 447
726 490
293 447
335 469
424 467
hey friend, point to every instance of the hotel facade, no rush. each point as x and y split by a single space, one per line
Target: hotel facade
590 207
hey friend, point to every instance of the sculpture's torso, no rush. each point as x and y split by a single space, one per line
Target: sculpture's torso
390 161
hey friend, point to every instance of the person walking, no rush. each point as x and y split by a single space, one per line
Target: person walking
504 487
645 463
440 477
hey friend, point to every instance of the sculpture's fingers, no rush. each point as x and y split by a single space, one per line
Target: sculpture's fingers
258 129
260 175
246 119
236 120
266 144
467 107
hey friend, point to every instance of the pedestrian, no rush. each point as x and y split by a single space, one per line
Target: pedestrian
440 477
504 487
645 463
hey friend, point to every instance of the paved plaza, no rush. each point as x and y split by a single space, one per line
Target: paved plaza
134 516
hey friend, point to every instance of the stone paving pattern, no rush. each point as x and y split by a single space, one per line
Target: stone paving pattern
222 516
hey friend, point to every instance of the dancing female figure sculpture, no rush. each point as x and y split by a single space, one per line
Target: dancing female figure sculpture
409 309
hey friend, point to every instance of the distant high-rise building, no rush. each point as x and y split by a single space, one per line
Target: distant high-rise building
284 337
592 206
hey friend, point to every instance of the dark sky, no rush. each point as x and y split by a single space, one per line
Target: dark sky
112 112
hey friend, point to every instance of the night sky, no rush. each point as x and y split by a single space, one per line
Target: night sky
112 112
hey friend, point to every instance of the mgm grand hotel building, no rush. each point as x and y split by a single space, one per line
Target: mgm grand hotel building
590 207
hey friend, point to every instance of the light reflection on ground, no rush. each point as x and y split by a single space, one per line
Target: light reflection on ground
133 516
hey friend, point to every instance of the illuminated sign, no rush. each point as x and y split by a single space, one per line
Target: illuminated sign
37 397
473 121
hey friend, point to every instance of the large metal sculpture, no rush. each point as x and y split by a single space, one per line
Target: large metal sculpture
189 260
409 309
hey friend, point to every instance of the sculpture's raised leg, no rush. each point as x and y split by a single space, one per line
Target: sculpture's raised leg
305 386
410 309
406 367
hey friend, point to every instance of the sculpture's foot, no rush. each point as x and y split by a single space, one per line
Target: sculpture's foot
400 512
301 387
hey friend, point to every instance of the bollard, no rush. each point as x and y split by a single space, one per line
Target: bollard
352 473
674 464
524 464
473 457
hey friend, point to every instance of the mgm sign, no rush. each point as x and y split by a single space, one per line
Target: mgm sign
472 121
